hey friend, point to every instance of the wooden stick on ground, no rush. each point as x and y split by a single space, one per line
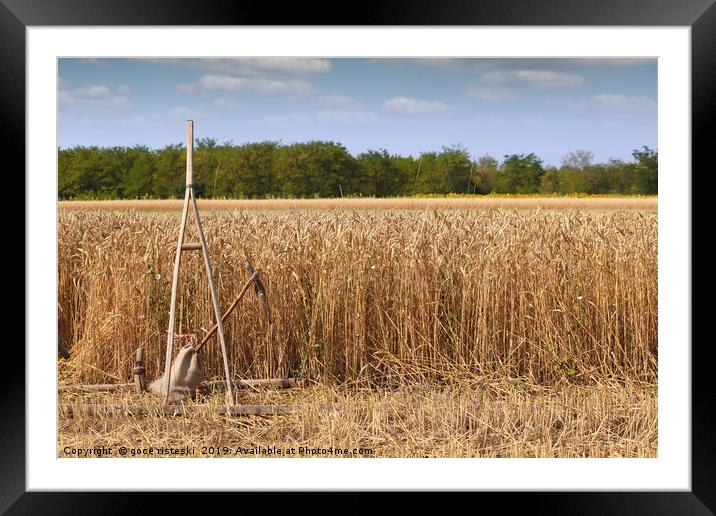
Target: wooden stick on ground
70 409
100 387
282 383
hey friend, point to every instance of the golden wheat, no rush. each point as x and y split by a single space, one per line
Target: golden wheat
402 203
375 298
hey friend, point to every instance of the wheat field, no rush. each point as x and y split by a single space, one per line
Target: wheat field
438 331
456 202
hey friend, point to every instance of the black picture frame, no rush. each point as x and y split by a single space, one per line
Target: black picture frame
700 15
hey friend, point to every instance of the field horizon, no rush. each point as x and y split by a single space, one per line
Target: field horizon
577 202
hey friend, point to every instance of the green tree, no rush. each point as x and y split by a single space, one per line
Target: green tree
137 181
572 176
484 174
326 169
89 172
519 173
445 172
550 181
254 170
408 167
381 175
620 176
316 169
169 170
646 172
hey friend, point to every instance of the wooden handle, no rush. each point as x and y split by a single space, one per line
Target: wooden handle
189 153
230 309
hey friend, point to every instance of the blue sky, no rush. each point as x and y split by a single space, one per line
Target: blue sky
491 106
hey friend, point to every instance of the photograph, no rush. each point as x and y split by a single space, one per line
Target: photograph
455 246
357 257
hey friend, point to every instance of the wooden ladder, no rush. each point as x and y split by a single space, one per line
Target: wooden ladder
181 247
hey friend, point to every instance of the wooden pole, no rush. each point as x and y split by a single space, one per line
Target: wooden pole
140 380
173 302
177 258
214 300
190 154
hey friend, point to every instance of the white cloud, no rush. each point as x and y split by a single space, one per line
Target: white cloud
454 64
619 100
610 62
482 64
338 100
264 75
226 103
94 60
408 105
123 89
488 94
250 66
254 85
92 92
539 78
92 95
611 100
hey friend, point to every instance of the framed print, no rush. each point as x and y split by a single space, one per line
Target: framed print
428 240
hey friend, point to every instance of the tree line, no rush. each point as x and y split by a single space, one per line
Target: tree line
326 169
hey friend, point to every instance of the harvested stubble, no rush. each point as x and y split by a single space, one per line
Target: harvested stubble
380 298
495 417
